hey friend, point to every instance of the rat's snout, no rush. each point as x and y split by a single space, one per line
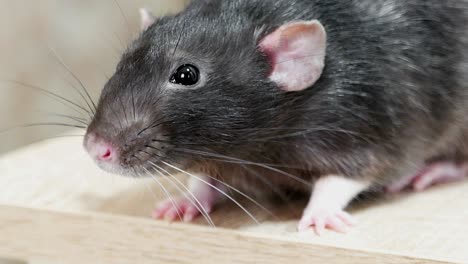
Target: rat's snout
130 147
100 150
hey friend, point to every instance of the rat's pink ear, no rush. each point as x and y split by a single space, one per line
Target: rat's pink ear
296 52
146 19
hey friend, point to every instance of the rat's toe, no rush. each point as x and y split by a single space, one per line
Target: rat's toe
319 220
183 209
172 215
191 213
162 208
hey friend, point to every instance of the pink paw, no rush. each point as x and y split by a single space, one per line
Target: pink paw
332 219
433 174
182 209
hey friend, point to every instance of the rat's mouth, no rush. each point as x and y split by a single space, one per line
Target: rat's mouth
135 163
148 169
137 158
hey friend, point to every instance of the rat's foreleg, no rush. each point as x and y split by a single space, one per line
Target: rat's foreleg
330 195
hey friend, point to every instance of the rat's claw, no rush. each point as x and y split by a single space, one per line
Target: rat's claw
190 214
162 209
319 220
182 209
200 201
335 223
171 215
168 210
347 218
325 208
319 226
193 210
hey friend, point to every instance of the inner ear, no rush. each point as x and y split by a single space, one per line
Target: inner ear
146 19
296 52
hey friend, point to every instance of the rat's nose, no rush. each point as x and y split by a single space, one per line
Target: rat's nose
100 150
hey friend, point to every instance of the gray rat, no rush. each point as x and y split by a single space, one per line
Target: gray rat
331 98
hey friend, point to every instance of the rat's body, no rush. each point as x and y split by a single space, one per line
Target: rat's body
389 97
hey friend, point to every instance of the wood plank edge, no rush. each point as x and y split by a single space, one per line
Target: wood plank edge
33 234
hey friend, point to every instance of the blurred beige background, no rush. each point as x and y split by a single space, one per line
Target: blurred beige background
88 35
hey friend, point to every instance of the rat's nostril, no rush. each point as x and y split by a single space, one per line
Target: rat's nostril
101 150
104 152
107 155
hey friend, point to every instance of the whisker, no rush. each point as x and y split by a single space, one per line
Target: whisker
217 189
52 137
74 118
50 94
65 66
118 119
133 104
244 195
178 40
187 192
122 43
155 197
41 124
123 110
169 196
228 159
146 185
153 147
81 95
148 109
312 130
123 14
55 137
108 41
276 190
63 136
153 125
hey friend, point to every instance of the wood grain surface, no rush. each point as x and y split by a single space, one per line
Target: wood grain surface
91 238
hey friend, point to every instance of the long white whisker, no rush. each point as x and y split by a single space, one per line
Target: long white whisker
61 99
169 196
228 159
187 192
276 190
217 189
74 76
244 195
146 185
122 13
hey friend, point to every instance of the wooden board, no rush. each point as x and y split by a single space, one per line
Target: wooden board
91 238
75 207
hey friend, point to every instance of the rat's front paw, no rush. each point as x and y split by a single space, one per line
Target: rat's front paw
332 219
182 209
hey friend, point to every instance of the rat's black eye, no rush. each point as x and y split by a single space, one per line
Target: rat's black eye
186 75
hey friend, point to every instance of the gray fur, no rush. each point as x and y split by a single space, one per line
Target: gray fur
393 94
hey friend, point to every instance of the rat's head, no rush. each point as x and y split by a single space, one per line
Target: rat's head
193 84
